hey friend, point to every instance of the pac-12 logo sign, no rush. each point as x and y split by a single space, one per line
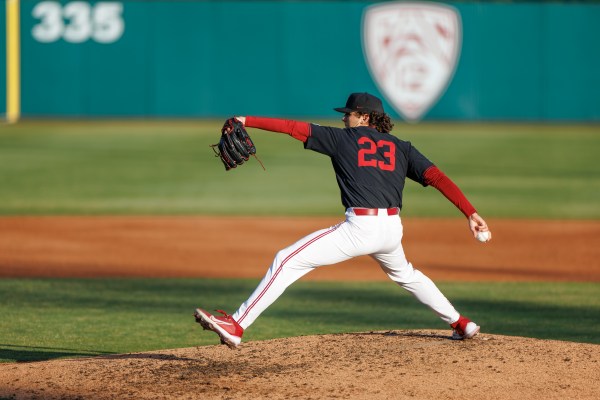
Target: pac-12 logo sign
412 50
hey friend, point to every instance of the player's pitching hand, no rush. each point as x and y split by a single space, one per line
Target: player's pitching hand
479 228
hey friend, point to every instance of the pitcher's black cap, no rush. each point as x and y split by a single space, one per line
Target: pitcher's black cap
362 103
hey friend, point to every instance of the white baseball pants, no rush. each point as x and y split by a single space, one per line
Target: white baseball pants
379 236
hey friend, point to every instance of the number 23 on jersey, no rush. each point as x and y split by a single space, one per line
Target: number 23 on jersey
367 154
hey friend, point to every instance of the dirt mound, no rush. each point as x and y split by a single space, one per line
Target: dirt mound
375 365
370 365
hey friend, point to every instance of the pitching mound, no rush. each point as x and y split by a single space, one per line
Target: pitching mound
373 365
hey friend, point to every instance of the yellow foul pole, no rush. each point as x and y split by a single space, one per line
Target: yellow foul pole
13 62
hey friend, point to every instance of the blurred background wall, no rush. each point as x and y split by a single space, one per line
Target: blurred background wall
536 61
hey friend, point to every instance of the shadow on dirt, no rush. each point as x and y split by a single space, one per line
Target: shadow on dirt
17 353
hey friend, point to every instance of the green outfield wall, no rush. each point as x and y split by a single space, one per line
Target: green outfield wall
518 61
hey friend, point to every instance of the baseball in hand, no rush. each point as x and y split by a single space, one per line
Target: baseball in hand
483 236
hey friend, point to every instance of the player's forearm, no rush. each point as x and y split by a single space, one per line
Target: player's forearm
439 180
296 129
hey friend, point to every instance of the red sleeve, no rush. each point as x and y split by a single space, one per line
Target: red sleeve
296 129
436 178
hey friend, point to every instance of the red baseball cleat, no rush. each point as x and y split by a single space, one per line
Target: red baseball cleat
464 328
226 327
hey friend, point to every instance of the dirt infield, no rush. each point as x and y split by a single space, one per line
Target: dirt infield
369 365
523 250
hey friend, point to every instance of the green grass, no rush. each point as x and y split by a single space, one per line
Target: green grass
167 167
54 318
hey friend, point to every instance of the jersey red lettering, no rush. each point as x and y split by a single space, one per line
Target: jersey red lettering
390 155
363 153
366 154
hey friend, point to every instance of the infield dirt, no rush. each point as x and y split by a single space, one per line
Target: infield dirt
368 365
230 247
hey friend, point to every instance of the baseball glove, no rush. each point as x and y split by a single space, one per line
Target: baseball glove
235 146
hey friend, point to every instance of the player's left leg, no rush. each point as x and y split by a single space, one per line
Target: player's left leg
324 247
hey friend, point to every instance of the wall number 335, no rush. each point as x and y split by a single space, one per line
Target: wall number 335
78 21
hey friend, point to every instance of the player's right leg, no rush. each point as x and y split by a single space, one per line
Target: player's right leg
464 328
426 291
394 263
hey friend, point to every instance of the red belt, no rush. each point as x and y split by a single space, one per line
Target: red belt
374 211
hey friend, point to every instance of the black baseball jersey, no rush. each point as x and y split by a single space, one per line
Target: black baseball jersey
370 167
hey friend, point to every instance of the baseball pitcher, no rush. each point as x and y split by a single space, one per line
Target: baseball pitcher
371 167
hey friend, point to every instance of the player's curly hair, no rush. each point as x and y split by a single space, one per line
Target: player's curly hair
381 122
